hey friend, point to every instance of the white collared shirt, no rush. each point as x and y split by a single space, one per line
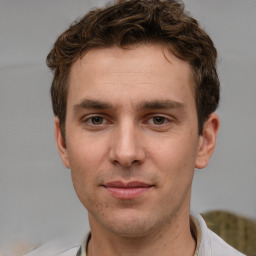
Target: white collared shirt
208 244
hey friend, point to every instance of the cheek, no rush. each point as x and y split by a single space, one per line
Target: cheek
84 174
175 157
85 158
174 163
85 152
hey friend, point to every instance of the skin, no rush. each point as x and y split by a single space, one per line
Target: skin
131 117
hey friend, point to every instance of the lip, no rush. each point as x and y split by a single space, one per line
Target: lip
127 190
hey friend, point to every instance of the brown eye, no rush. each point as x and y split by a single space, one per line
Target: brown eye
97 120
158 120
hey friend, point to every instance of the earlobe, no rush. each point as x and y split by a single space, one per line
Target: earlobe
61 144
207 141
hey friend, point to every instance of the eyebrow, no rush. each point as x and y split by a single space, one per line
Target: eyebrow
92 104
161 104
145 105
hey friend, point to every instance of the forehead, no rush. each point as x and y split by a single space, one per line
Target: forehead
134 56
149 69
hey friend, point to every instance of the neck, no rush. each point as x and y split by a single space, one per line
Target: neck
169 240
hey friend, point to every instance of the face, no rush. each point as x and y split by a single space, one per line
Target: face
132 138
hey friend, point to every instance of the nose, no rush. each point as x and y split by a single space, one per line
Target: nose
126 148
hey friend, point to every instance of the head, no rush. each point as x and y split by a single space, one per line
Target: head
134 22
133 93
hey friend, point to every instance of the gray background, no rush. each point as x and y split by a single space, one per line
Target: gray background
37 201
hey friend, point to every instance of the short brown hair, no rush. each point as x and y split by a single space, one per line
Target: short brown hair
131 22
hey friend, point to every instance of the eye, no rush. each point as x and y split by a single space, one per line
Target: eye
96 120
158 120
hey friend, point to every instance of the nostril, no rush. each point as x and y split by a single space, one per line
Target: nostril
126 164
135 162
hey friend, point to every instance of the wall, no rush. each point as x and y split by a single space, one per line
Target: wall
37 201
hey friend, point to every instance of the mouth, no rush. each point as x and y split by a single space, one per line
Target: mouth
127 190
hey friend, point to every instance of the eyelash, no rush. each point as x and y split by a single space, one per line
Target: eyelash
89 121
163 119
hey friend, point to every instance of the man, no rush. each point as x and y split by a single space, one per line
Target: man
134 93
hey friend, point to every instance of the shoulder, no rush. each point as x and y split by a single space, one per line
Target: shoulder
51 249
220 247
212 244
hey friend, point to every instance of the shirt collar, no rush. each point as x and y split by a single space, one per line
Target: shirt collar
194 226
196 232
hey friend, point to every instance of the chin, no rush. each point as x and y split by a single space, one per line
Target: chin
131 230
132 225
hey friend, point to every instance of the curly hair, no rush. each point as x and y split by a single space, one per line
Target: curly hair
131 22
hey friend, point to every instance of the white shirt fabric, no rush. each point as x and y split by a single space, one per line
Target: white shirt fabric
213 245
50 250
210 245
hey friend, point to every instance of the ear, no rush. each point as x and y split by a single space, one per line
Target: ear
61 144
207 141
